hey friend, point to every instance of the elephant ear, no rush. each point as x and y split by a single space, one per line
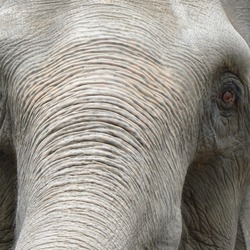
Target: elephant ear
244 221
238 12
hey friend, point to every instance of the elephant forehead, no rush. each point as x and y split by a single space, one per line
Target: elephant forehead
107 75
162 28
114 38
159 31
155 24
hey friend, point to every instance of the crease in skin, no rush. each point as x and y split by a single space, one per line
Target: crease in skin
79 90
244 220
126 160
100 138
130 104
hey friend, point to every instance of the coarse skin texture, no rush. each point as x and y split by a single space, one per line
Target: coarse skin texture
113 130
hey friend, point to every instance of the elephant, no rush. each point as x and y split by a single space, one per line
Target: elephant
124 124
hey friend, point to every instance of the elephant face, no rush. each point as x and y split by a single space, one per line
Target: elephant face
124 125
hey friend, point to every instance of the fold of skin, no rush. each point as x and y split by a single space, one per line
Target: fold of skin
244 221
118 140
206 193
95 168
96 173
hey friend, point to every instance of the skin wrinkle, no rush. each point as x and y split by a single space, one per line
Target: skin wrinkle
66 134
219 199
96 207
58 137
61 204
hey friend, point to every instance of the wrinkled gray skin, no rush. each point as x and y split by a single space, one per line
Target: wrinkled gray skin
115 132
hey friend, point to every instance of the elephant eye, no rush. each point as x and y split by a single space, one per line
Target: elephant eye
231 92
228 97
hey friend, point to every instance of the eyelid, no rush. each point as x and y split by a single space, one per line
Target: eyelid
229 82
232 82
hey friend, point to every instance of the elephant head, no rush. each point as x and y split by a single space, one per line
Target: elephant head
124 124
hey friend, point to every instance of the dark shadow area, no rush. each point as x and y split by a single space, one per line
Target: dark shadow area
7 199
